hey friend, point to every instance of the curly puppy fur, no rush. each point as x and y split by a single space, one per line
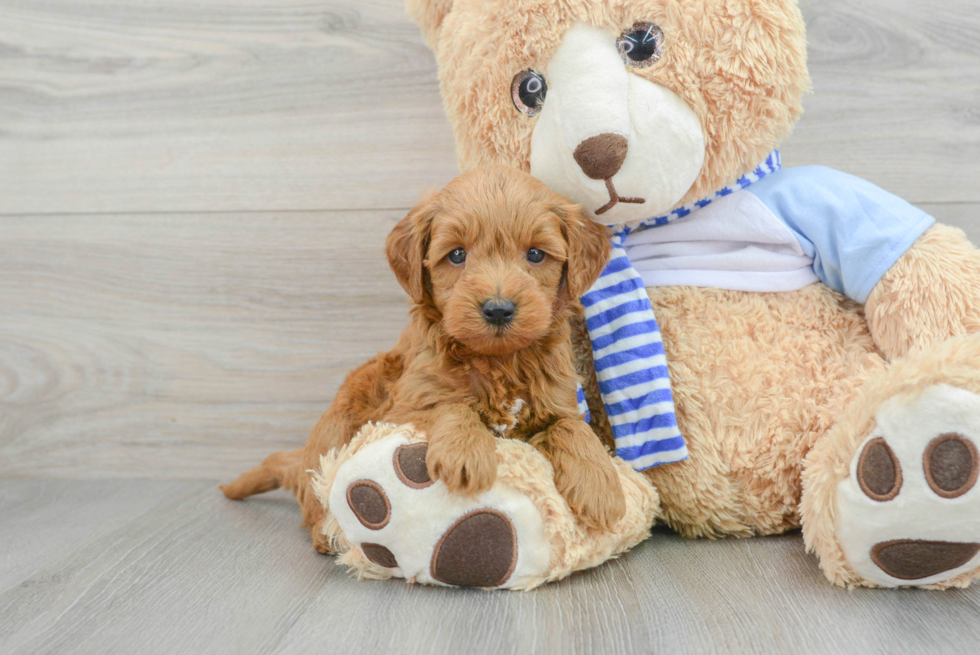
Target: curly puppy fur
460 378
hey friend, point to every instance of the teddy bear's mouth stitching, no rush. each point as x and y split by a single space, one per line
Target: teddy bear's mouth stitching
615 198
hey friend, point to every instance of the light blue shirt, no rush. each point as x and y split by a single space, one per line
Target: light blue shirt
853 230
787 230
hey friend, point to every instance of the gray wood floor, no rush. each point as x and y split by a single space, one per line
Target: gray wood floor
193 198
170 566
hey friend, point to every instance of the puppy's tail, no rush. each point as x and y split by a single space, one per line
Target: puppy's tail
282 469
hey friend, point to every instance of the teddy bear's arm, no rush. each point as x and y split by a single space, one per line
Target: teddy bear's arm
930 294
853 230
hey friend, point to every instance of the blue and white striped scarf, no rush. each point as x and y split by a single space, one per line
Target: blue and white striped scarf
628 352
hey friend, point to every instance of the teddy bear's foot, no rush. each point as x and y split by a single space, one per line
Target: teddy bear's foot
889 494
389 519
909 512
402 521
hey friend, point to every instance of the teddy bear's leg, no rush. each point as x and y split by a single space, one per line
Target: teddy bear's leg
889 494
384 503
388 518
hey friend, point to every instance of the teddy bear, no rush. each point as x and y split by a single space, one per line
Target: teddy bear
801 345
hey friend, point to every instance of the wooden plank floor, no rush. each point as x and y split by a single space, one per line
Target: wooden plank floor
171 566
193 199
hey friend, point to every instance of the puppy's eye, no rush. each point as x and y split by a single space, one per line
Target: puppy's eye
528 91
641 45
457 256
535 256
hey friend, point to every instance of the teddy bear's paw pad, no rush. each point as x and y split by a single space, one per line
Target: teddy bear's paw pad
380 555
479 550
878 471
951 465
369 503
913 559
909 513
409 463
400 519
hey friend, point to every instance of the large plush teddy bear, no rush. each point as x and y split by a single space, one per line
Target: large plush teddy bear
820 333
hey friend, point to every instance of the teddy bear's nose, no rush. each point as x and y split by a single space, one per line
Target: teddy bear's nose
601 156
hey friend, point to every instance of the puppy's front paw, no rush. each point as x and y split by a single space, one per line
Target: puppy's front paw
467 467
593 493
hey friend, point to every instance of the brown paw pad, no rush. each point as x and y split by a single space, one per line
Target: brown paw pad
478 550
913 559
410 467
369 503
380 555
878 472
951 465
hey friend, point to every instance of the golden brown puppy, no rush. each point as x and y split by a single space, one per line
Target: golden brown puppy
494 264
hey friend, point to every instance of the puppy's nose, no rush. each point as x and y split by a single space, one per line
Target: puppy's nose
601 156
498 312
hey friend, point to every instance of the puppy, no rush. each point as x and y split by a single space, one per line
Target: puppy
494 264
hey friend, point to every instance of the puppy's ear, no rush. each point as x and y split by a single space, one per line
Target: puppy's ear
588 249
406 247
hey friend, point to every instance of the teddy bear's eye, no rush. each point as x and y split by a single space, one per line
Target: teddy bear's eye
528 91
641 45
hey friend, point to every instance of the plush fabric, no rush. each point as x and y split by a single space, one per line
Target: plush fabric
740 65
776 393
579 128
518 535
942 383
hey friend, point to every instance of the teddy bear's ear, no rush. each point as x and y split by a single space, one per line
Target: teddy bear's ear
406 247
429 15
588 249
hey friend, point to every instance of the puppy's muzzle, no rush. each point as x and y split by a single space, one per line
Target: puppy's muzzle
498 312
